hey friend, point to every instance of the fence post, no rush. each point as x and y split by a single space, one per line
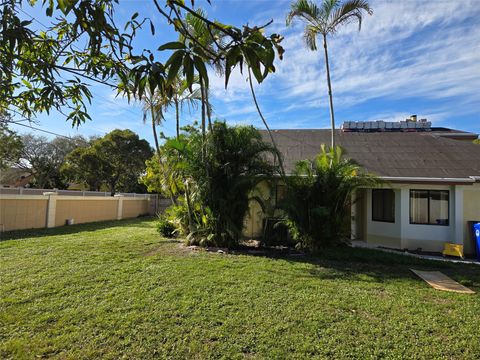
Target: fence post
51 208
119 206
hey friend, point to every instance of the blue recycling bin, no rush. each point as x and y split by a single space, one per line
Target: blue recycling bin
476 234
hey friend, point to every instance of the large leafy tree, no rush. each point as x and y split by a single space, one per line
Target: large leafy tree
45 67
324 20
10 143
84 166
116 160
51 66
43 158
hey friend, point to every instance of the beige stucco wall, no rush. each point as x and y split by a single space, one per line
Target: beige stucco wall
85 210
39 211
393 242
471 212
253 222
134 208
23 213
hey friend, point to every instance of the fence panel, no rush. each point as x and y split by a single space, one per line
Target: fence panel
55 208
26 212
84 210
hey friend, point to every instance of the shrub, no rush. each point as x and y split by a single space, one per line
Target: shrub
166 228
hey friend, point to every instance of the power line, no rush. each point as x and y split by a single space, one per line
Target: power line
38 129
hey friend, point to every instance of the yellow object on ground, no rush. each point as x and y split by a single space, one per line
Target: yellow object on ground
440 281
453 250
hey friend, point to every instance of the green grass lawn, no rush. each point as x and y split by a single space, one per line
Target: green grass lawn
116 289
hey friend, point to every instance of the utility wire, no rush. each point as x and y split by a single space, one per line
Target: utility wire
39 129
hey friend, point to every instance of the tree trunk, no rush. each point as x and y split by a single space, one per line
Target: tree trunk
189 207
280 162
177 115
332 115
154 129
157 148
202 91
209 114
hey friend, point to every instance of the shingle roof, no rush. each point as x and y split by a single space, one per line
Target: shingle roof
390 154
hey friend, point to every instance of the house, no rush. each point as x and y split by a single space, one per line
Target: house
15 177
432 182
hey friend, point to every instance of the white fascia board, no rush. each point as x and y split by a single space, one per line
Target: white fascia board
469 180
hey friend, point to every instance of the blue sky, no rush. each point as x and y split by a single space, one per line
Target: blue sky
411 57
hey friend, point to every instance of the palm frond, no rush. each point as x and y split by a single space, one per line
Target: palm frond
307 11
310 37
328 7
349 11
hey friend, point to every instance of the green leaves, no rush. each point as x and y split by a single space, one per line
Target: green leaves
257 51
173 45
233 58
53 67
174 63
202 69
188 71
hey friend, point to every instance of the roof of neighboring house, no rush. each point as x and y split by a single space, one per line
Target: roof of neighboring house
15 177
386 154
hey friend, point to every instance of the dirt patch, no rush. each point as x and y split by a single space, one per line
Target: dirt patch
171 247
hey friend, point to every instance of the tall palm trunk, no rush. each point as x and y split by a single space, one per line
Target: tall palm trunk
177 114
332 115
209 113
279 155
191 225
202 93
157 148
154 130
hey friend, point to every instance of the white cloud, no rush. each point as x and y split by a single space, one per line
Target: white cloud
408 49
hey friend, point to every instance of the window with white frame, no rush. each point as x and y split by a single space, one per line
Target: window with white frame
429 207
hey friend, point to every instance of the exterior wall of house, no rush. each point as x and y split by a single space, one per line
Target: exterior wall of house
471 212
253 223
383 233
464 205
427 237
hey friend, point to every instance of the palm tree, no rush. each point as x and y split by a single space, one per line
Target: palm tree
210 39
153 105
319 197
181 97
325 20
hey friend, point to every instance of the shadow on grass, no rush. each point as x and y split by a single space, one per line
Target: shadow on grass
369 265
139 222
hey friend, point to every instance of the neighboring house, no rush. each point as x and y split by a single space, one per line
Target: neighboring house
20 178
14 177
432 187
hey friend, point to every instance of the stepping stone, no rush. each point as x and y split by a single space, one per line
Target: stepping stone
440 281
